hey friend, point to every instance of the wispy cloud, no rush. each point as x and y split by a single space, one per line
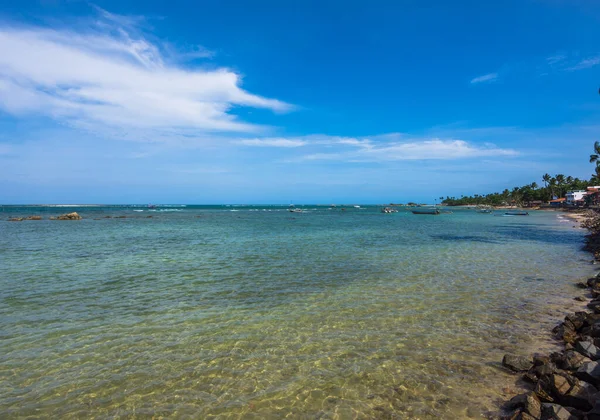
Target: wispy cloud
272 142
556 58
585 63
381 148
490 77
109 76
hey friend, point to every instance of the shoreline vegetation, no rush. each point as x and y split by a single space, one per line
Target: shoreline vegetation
565 384
554 186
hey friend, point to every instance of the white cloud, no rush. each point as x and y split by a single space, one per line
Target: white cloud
555 59
272 142
585 64
485 78
115 79
381 148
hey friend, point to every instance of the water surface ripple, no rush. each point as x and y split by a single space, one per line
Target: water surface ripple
264 314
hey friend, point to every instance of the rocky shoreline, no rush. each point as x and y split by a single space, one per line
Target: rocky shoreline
565 384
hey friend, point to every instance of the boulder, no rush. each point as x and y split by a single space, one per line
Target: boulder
68 216
581 285
566 390
594 413
569 360
588 349
589 372
555 412
528 403
565 332
516 363
33 218
577 320
15 219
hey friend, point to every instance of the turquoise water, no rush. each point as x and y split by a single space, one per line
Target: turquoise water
259 313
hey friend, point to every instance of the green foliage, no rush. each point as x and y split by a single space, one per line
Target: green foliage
557 185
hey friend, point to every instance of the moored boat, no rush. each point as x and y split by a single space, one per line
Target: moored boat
426 211
517 213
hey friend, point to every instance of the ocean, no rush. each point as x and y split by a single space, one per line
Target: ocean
254 312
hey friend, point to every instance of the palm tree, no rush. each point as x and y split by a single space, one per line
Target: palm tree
533 185
596 156
546 179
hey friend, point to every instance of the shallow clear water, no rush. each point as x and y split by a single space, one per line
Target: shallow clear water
255 312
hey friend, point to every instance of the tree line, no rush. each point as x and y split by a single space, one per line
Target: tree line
554 186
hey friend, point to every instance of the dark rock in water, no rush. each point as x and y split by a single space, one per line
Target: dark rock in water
581 285
569 360
588 349
578 319
589 372
591 282
580 299
566 390
593 304
542 392
540 359
594 413
16 219
516 363
544 370
555 412
594 331
530 377
528 403
565 332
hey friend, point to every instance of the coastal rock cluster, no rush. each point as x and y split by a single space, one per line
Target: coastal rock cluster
67 216
566 384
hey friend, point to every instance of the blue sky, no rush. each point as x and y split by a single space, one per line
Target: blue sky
272 102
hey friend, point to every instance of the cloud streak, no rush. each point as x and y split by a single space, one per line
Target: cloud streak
585 64
272 142
490 77
110 77
383 148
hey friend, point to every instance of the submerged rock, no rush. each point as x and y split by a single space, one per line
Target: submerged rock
16 219
516 363
33 218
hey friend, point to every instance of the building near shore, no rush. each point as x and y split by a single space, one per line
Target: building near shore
575 196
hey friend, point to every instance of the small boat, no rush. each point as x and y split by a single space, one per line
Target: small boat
426 211
388 210
516 213
294 210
